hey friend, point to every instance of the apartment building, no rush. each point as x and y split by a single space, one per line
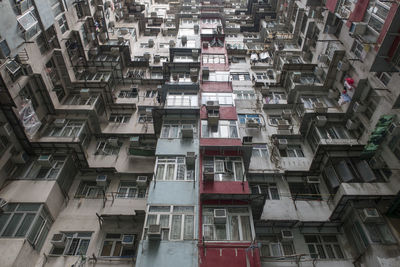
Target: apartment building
199 133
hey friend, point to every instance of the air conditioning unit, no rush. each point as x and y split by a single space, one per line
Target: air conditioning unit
376 162
247 140
206 45
323 58
187 131
265 90
212 105
114 51
101 180
134 141
351 124
150 21
190 158
195 53
20 158
319 71
283 125
141 180
251 123
6 129
150 43
321 121
3 204
296 76
128 240
59 240
286 114
220 216
205 71
282 143
156 58
112 141
370 215
394 128
46 160
59 123
320 107
287 234
358 107
343 66
85 93
171 43
313 180
154 232
184 40
213 117
208 175
358 28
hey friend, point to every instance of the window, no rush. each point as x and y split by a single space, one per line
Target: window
384 77
4 49
144 45
128 93
3 144
29 220
130 190
70 129
245 117
62 22
173 169
182 100
77 244
217 76
240 77
270 190
108 147
236 228
225 129
90 189
304 191
275 246
275 97
145 118
177 222
76 99
222 98
225 168
112 247
358 49
244 94
119 118
38 171
42 43
178 58
292 151
151 93
57 7
213 59
181 77
308 101
324 246
260 151
172 128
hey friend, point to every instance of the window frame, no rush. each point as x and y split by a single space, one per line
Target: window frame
114 241
179 165
71 236
321 244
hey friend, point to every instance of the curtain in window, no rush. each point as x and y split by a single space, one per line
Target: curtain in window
234 227
160 172
246 228
176 226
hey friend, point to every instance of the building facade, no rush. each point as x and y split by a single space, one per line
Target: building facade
199 133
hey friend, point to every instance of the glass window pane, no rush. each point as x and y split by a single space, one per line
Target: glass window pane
160 171
3 220
339 253
176 226
26 223
246 229
276 249
83 247
234 228
189 224
107 246
164 221
35 229
12 225
170 172
208 232
321 251
117 249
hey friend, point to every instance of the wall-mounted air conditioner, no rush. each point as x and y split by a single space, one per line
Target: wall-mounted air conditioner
46 160
190 158
112 142
187 131
321 121
85 93
358 28
247 140
59 240
59 123
154 232
283 125
313 180
322 58
370 215
252 123
101 180
286 114
208 174
287 234
358 107
282 143
141 180
220 216
128 240
352 124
